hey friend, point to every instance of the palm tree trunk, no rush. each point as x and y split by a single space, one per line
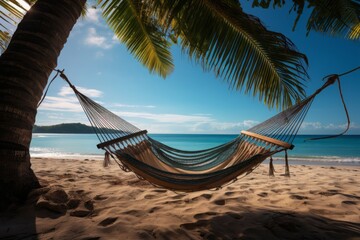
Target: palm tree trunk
24 70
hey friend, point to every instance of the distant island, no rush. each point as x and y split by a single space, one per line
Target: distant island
64 128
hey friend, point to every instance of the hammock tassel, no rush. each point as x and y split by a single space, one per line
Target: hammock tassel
271 168
287 171
106 162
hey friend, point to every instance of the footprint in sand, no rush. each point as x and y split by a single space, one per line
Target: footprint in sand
202 196
349 202
298 197
100 197
204 215
90 238
173 202
220 202
107 221
154 209
115 182
149 196
80 213
229 193
160 190
276 190
178 196
206 196
328 193
136 213
351 196
263 194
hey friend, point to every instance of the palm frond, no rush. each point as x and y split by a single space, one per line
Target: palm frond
133 23
11 12
334 17
239 49
338 18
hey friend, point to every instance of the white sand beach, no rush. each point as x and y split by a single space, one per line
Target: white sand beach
82 200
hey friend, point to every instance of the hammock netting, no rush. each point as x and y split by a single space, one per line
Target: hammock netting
134 150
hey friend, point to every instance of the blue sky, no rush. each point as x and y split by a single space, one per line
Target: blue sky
190 100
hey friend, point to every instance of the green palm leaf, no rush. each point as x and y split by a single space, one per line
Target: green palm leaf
11 12
235 45
133 23
336 18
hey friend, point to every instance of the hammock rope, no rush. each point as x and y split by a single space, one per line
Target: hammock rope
180 170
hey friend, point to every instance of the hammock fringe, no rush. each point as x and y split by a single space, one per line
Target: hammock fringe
106 161
271 167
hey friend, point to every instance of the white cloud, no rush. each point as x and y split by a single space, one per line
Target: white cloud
94 39
50 118
133 106
67 104
311 125
67 101
182 123
223 127
93 15
329 127
92 93
163 117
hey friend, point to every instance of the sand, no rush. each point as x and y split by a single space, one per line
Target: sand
82 200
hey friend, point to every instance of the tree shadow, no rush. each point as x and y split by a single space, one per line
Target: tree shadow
24 227
239 223
269 224
19 220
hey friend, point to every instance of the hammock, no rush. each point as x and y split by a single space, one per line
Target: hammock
134 150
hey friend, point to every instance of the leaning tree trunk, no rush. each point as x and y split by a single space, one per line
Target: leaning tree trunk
24 70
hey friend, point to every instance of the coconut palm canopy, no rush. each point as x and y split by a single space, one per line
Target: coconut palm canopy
237 48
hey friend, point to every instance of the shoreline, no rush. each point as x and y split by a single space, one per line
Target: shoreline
83 200
313 161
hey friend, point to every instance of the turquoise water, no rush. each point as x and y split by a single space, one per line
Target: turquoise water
344 150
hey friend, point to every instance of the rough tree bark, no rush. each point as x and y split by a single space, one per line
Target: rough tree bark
24 71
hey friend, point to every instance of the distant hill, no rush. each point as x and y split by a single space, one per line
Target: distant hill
64 128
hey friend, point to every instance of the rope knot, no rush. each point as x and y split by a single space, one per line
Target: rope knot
63 76
332 78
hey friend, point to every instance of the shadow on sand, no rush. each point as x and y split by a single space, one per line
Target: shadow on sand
19 221
245 223
269 224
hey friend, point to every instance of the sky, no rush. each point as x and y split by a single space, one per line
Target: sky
190 100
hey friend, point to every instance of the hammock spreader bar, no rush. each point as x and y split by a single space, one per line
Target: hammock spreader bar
120 139
269 139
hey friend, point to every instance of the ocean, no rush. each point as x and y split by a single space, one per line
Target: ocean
344 150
